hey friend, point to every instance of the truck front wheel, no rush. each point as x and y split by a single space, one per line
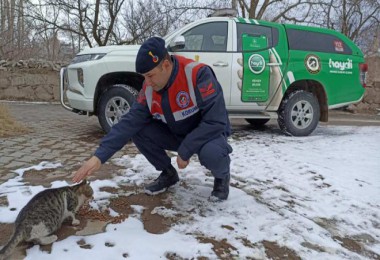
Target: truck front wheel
114 103
299 113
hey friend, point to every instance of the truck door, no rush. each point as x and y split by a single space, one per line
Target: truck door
258 64
209 43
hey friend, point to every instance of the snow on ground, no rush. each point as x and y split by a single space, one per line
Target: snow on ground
301 193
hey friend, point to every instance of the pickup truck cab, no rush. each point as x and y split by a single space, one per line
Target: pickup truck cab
267 70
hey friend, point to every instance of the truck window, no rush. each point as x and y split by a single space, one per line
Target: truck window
253 29
209 37
316 41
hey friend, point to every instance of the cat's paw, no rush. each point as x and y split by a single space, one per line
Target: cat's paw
75 222
46 240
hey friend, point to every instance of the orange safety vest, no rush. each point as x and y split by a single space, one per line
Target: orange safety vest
181 93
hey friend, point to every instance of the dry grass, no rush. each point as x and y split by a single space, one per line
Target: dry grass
8 125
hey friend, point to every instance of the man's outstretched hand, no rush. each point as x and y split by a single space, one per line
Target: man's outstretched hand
182 164
87 169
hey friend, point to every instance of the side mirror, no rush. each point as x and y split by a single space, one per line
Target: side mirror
178 43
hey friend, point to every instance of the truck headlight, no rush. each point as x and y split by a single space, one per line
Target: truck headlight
87 57
80 76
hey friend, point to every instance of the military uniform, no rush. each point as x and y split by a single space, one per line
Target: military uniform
188 115
188 118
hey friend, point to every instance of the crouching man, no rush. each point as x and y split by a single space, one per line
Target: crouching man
180 108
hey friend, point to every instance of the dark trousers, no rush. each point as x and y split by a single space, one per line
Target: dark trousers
155 138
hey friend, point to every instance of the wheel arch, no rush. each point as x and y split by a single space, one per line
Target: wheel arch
317 89
131 79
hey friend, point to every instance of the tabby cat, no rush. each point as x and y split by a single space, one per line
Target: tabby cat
45 213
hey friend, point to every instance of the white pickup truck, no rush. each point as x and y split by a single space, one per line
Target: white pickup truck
267 70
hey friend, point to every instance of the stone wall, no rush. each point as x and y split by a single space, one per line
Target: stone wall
31 80
35 80
371 100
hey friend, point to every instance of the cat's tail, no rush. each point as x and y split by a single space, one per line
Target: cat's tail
7 250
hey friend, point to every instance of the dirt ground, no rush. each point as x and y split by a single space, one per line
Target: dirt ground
9 126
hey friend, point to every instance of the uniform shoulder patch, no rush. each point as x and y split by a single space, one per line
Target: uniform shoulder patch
207 89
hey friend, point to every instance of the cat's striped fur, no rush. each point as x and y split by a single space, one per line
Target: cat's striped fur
45 213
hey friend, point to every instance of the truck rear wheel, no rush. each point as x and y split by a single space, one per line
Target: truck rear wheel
114 103
299 113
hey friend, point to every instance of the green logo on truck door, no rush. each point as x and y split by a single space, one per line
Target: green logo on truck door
313 64
256 63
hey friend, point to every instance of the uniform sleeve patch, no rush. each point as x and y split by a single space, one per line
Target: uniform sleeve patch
207 90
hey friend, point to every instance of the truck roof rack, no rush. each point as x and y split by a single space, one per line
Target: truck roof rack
225 12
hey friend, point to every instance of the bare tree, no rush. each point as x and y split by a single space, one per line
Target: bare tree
12 28
80 23
20 25
351 17
144 19
296 11
94 21
359 20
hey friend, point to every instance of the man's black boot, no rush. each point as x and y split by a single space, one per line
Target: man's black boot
167 178
221 189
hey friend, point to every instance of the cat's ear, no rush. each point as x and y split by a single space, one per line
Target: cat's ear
82 183
85 182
